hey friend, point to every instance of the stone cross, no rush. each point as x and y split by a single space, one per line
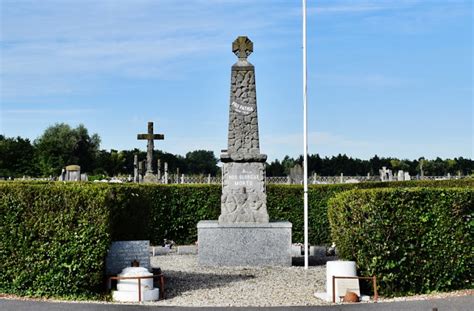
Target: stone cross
150 137
242 47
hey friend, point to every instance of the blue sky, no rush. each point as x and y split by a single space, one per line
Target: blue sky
392 78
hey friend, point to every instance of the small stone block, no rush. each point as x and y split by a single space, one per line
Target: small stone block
160 250
187 250
296 250
244 244
122 253
317 251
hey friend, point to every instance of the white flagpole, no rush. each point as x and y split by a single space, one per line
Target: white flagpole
305 142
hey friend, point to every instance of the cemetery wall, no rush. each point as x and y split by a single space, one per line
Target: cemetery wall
414 240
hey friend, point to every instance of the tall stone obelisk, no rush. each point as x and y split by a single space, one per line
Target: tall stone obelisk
243 186
243 235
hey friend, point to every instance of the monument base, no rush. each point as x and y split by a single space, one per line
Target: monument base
150 178
244 244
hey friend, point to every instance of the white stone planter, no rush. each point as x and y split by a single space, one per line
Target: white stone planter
127 289
340 268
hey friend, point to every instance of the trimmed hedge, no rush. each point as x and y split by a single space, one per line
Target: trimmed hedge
53 239
154 212
414 240
54 236
286 203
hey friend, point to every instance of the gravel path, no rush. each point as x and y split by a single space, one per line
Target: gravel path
188 284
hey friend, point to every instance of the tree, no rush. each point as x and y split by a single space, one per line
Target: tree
61 145
201 162
275 168
16 157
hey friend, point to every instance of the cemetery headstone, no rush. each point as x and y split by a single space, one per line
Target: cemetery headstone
141 171
166 173
244 215
407 176
158 169
62 177
400 175
385 174
122 253
135 168
296 174
73 173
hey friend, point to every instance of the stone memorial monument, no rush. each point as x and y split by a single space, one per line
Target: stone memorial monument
150 137
72 173
243 235
135 169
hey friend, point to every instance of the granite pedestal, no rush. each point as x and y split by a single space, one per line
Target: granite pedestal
244 244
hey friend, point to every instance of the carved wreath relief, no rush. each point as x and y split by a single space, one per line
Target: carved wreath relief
243 194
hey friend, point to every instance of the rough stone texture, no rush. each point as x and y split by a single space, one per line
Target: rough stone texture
150 137
122 253
244 244
243 139
243 197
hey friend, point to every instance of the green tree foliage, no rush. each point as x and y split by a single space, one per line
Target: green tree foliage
17 157
111 163
335 165
201 162
61 145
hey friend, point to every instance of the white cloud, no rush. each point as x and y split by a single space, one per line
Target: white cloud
46 47
46 111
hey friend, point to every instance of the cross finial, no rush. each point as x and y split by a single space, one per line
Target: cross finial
242 47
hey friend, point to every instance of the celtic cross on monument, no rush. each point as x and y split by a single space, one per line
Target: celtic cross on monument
242 47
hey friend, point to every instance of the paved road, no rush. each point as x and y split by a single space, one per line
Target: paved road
449 304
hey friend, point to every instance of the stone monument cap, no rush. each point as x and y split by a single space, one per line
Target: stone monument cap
242 47
73 168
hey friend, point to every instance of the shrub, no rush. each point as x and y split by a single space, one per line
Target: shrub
414 240
285 202
154 212
53 238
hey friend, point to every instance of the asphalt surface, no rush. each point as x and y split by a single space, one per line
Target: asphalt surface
465 303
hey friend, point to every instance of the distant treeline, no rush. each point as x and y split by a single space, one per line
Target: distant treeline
61 145
335 165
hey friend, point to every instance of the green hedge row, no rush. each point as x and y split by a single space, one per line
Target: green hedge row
54 236
414 240
154 212
286 203
53 239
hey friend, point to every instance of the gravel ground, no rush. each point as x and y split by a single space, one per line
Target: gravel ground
188 284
